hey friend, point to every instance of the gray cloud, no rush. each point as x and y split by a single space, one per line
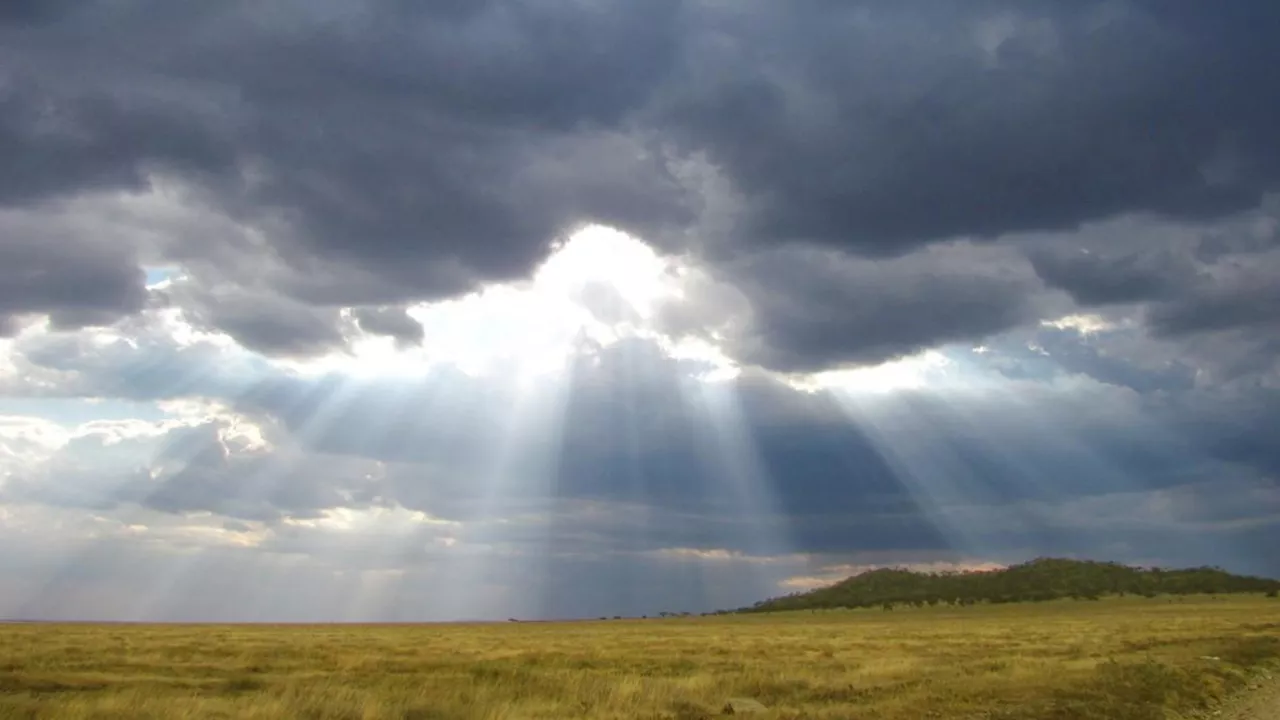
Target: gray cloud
209 466
266 485
1247 299
391 321
1228 321
436 144
33 11
262 321
78 283
630 426
439 147
628 404
1093 279
877 127
849 182
807 310
1115 363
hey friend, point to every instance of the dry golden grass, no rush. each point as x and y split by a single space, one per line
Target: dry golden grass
1118 659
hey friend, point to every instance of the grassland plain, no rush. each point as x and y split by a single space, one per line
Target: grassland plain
1118 659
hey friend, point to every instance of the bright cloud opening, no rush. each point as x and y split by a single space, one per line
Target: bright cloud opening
1085 324
910 373
598 286
603 257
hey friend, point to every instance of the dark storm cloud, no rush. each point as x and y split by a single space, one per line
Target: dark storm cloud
33 11
1100 279
444 144
1226 323
1248 300
392 322
77 283
1259 234
1237 426
283 329
1196 298
262 321
877 126
58 141
798 310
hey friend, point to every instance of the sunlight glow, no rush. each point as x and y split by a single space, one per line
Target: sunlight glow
911 373
720 367
1083 324
723 555
602 256
597 287
375 519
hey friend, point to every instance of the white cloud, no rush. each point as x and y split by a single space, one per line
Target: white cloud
722 555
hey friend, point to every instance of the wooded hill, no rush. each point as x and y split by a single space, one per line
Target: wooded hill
1038 580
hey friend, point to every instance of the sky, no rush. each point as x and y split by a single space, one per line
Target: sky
379 310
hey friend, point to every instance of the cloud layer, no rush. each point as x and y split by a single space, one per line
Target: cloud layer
588 308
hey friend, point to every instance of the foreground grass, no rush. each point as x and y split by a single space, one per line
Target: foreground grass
1119 659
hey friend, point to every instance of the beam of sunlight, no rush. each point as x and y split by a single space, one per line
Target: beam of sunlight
900 407
907 443
229 372
737 482
518 477
916 372
372 550
321 406
971 443
517 341
1036 435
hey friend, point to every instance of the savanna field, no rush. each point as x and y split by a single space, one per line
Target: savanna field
1119 658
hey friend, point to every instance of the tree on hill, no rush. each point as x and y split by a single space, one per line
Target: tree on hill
1035 581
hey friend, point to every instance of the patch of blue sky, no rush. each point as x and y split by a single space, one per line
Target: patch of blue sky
71 412
159 274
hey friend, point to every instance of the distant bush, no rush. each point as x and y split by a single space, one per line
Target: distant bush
1036 581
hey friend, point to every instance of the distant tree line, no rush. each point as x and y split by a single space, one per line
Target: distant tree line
1039 580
